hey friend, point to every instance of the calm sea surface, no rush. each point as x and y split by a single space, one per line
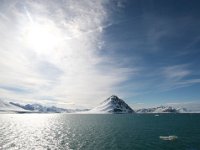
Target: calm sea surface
99 132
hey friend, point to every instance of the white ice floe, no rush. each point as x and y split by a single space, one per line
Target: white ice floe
169 138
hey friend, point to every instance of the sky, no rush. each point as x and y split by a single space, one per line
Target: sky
80 52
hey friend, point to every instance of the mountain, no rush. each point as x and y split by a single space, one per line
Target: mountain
7 107
112 105
45 109
162 109
13 107
40 108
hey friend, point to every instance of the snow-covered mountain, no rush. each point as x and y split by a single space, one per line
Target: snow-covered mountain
13 107
162 109
112 105
7 107
40 108
45 109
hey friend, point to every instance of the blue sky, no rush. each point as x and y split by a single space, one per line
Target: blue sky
81 52
161 40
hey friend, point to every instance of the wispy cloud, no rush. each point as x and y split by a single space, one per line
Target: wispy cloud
176 72
50 48
173 77
162 79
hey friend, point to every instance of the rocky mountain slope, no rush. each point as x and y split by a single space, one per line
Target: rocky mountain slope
112 105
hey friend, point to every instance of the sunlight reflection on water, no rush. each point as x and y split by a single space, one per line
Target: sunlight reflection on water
30 131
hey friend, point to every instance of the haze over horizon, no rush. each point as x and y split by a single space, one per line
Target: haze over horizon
81 52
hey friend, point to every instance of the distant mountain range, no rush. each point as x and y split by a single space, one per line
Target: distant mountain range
33 108
162 109
113 104
7 107
41 108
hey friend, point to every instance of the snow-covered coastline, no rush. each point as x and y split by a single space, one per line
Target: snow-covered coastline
112 105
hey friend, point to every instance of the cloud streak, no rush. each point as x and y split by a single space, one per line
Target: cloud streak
177 76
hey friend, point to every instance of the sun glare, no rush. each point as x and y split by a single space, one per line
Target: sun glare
41 38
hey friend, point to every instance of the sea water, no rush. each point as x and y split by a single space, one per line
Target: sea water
99 131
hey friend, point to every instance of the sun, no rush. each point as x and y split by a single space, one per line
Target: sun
42 38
